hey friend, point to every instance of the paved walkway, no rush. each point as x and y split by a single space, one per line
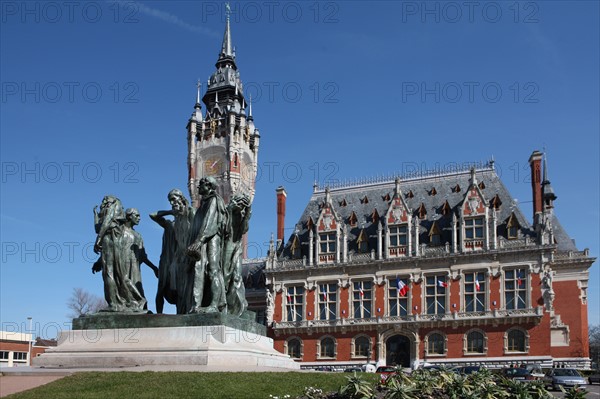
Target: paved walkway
10 384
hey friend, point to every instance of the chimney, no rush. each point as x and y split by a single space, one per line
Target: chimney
281 197
535 162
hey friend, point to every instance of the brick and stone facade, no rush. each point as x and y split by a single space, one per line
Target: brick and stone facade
438 268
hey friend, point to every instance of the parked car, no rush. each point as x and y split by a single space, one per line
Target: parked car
519 374
565 377
353 369
385 372
467 369
595 377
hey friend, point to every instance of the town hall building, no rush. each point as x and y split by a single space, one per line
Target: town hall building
440 268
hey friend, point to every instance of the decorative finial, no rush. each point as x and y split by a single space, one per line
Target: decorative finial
250 108
199 87
227 10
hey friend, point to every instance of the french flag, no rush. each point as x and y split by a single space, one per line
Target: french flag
442 284
519 281
289 298
361 292
477 285
324 292
402 288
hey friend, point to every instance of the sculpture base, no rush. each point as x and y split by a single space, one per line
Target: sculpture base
110 320
200 348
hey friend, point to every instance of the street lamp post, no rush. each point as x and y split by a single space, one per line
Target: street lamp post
30 319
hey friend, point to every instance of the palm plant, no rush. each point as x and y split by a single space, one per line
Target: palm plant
400 390
356 388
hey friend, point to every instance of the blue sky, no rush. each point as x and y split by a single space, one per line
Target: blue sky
96 95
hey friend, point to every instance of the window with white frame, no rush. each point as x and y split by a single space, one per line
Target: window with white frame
327 347
515 289
516 340
474 292
398 297
398 236
362 299
362 346
4 355
20 356
436 344
295 303
435 294
328 242
294 348
475 342
327 301
474 228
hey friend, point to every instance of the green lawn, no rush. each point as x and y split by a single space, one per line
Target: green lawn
182 385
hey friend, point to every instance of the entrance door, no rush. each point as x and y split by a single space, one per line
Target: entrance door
397 351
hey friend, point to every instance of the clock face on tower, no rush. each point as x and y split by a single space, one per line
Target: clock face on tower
213 166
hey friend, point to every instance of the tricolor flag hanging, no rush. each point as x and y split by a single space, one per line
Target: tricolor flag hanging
402 288
519 281
324 292
289 298
361 292
477 285
442 284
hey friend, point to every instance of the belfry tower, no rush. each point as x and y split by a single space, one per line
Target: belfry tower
224 142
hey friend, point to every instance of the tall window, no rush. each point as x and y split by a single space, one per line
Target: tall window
436 344
398 304
515 341
327 347
361 299
294 347
361 346
474 228
327 301
475 342
328 241
435 294
515 289
398 236
475 288
295 303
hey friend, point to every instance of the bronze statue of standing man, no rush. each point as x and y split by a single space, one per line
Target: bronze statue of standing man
208 233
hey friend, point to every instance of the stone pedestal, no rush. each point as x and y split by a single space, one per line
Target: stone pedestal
136 341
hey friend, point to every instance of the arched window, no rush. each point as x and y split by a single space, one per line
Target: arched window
516 340
294 348
327 348
361 346
475 342
436 344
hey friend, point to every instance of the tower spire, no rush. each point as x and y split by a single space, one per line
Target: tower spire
250 118
226 47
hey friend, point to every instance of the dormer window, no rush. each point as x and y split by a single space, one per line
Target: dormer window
512 227
433 191
410 194
446 209
386 197
481 185
422 211
328 242
352 220
456 189
310 224
343 203
496 202
365 200
435 236
363 242
398 236
474 228
295 247
375 216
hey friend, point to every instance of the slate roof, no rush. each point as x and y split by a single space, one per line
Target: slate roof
422 188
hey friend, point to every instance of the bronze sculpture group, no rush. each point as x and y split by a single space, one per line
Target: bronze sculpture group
201 259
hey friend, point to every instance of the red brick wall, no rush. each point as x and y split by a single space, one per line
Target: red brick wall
344 303
574 314
416 289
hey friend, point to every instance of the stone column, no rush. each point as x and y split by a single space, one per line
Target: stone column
310 247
